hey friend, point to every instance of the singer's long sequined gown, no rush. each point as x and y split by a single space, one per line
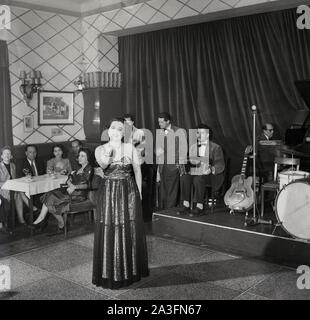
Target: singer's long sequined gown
120 250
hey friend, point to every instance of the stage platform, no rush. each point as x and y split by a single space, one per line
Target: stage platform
223 231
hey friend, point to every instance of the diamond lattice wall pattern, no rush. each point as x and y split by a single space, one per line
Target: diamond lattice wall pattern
156 11
50 43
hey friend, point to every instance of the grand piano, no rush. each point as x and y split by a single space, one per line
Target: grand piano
297 136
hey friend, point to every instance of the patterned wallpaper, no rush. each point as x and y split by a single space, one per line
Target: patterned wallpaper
50 43
156 11
62 46
100 50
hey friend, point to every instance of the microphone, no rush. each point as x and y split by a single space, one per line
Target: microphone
254 108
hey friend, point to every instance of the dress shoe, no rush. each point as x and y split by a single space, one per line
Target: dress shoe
197 212
212 203
183 211
39 226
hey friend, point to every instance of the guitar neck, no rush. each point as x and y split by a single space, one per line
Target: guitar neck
244 164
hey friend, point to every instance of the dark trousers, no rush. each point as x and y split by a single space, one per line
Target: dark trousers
4 209
199 183
148 187
169 186
7 211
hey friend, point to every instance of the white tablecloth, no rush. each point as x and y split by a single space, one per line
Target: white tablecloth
38 184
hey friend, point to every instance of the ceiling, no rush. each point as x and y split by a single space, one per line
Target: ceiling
75 7
88 7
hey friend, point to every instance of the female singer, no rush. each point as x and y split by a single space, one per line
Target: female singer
120 250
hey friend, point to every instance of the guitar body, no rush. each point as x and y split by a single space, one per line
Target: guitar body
239 196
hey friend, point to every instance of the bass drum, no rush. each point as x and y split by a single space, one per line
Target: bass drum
293 209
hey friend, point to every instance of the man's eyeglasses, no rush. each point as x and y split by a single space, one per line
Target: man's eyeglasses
270 129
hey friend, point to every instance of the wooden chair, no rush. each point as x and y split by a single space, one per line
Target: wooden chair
86 206
273 186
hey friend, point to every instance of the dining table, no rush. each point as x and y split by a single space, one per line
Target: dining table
33 185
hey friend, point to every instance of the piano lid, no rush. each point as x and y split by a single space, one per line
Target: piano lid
296 133
303 87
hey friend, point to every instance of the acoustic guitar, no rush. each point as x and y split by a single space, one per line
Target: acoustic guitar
239 197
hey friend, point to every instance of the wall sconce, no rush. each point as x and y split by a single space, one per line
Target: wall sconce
79 83
31 83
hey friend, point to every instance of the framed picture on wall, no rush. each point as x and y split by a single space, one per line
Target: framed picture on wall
28 123
55 107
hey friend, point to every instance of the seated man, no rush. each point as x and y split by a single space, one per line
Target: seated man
267 149
32 166
203 172
30 163
76 145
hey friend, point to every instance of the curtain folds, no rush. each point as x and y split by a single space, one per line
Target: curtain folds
214 72
5 97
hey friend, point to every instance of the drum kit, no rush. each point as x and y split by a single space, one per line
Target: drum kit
292 204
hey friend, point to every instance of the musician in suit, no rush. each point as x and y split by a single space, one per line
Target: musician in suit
207 171
267 132
168 170
8 171
266 153
36 168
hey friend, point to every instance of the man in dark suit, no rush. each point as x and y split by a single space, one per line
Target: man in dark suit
76 145
267 150
168 151
31 165
267 132
207 168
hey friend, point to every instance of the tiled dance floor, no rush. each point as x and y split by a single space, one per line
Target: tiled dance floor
63 270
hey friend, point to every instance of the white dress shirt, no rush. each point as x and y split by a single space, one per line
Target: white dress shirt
35 167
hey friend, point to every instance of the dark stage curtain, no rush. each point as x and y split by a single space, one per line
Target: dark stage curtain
5 97
214 72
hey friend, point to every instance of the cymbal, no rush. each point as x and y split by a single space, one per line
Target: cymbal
294 153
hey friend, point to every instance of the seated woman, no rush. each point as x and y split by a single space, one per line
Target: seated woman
8 171
58 164
57 202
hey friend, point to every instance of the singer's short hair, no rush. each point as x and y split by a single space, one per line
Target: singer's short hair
115 119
